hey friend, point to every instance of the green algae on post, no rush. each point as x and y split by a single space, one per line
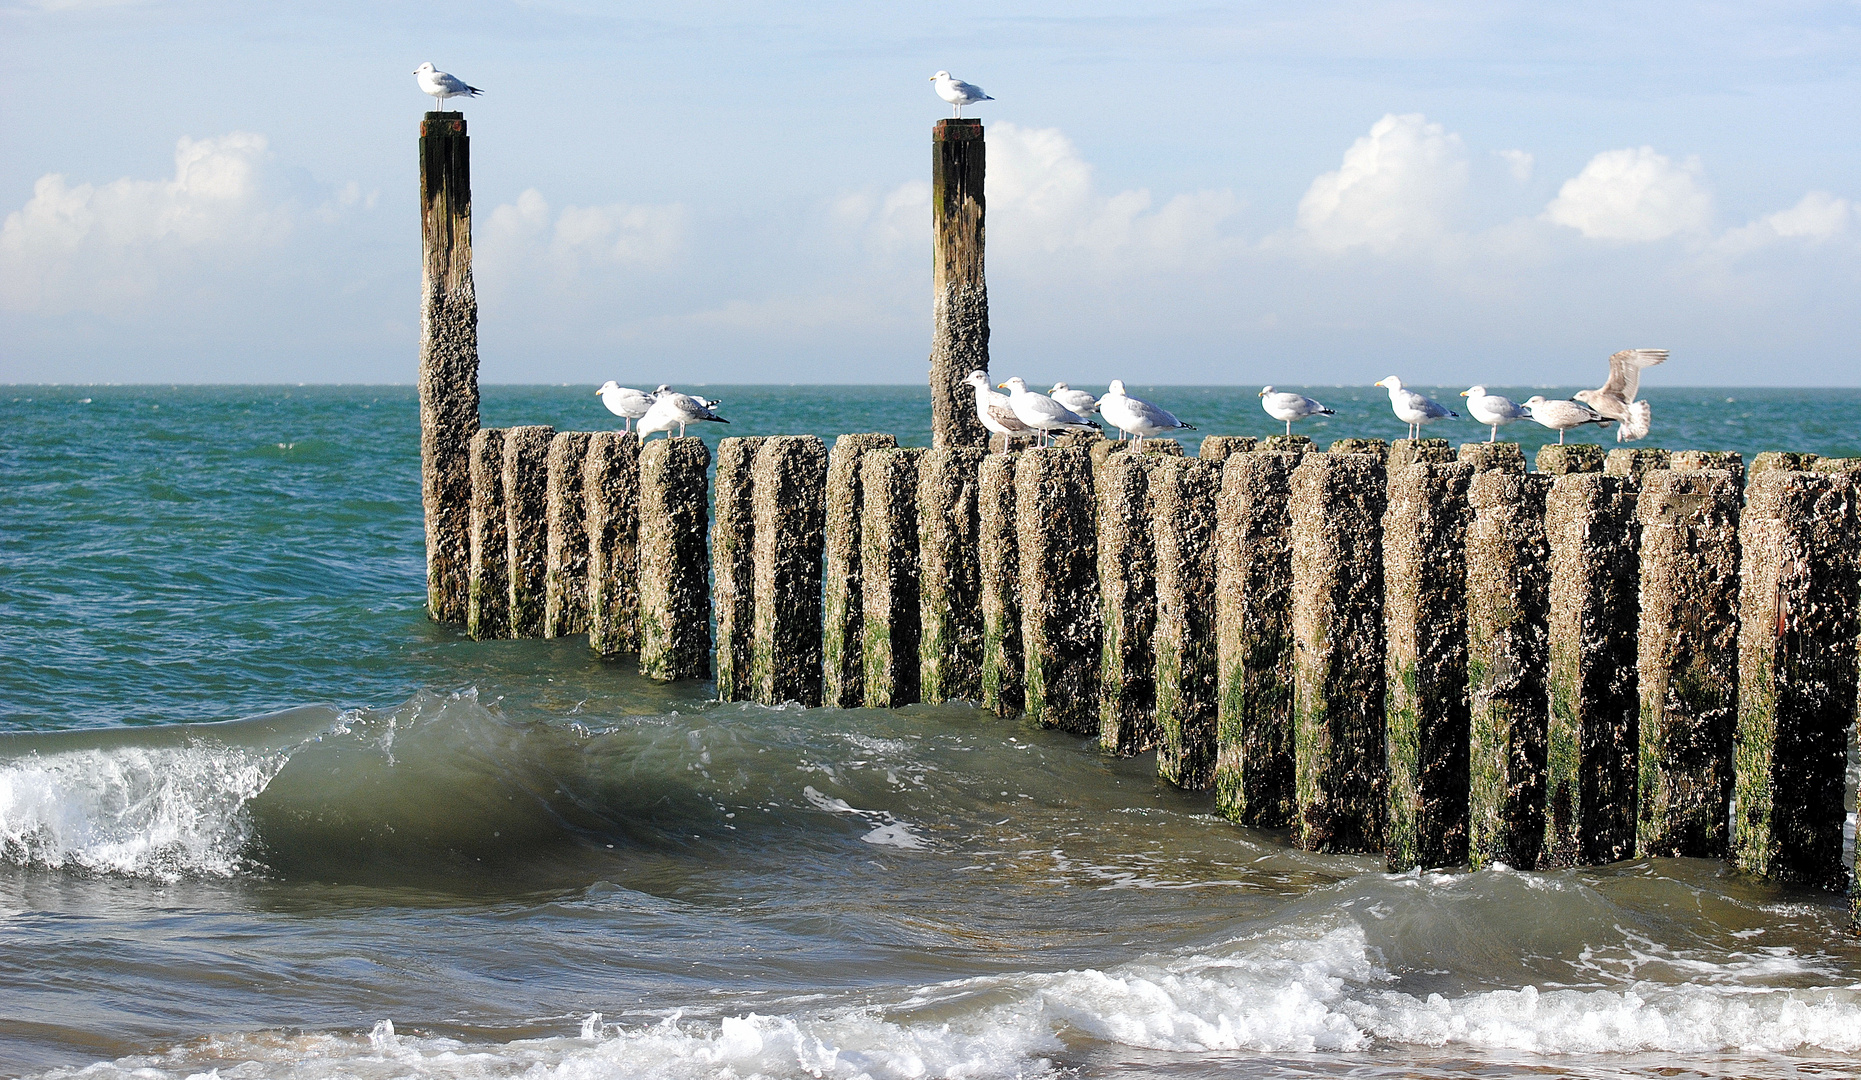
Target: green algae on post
526 524
611 489
1182 508
788 484
675 590
733 566
888 558
950 576
843 675
565 585
1127 600
1059 587
999 554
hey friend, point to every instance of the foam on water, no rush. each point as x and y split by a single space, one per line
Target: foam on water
157 812
1291 991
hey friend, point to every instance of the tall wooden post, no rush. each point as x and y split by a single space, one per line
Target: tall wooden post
960 311
448 361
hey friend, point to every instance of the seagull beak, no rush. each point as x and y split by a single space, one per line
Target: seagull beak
1262 393
1001 386
1464 393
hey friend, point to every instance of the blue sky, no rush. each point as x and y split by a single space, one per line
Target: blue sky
1207 193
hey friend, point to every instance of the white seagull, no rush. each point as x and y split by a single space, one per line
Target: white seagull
1561 415
1135 416
1492 410
441 85
1077 400
1281 405
1615 399
1412 408
674 410
1041 412
993 410
625 402
957 92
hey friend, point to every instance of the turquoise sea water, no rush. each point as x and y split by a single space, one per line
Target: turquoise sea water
257 814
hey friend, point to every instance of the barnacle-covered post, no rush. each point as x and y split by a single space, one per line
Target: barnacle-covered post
448 361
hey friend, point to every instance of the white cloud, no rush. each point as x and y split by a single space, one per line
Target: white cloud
1396 185
1044 200
527 233
89 246
1632 194
1817 217
1518 163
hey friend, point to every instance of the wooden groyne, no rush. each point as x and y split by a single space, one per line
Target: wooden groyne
1396 648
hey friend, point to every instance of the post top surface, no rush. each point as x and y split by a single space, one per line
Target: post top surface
957 129
442 123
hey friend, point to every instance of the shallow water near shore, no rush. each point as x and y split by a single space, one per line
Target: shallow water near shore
258 815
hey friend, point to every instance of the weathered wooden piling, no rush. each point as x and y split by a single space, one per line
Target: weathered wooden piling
843 672
788 483
1338 674
1595 702
1182 513
960 294
1406 452
1059 587
999 547
1253 640
526 525
611 489
1782 461
950 575
1376 448
1508 662
888 557
1220 448
1493 456
675 591
1563 459
1634 461
1426 702
1688 661
1287 444
488 596
565 589
733 565
1724 460
1796 680
448 362
1128 603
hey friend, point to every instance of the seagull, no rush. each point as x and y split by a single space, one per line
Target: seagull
1412 408
993 409
1077 400
1493 410
1135 416
1562 415
441 85
1041 412
955 91
625 402
674 410
1289 407
1615 399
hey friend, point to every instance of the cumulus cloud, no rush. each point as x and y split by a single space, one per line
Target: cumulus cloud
1634 194
1816 218
577 238
1518 163
1397 184
97 246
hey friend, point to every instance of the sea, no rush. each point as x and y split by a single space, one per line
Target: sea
261 818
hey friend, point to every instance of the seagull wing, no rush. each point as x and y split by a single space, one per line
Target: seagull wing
970 91
1003 415
1625 370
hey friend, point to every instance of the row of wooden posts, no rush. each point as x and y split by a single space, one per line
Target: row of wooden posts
1382 649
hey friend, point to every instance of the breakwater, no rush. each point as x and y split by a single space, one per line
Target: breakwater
1395 648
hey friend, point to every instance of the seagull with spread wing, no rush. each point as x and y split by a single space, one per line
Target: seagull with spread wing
1615 399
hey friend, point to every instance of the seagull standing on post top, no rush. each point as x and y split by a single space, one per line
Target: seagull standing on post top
955 91
441 85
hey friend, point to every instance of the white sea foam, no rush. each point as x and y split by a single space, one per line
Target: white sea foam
1290 991
157 812
887 830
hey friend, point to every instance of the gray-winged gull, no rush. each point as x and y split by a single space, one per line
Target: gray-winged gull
1041 412
1492 409
1615 399
1412 408
957 92
992 409
1135 416
1077 400
674 410
1281 405
1561 415
441 85
625 402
